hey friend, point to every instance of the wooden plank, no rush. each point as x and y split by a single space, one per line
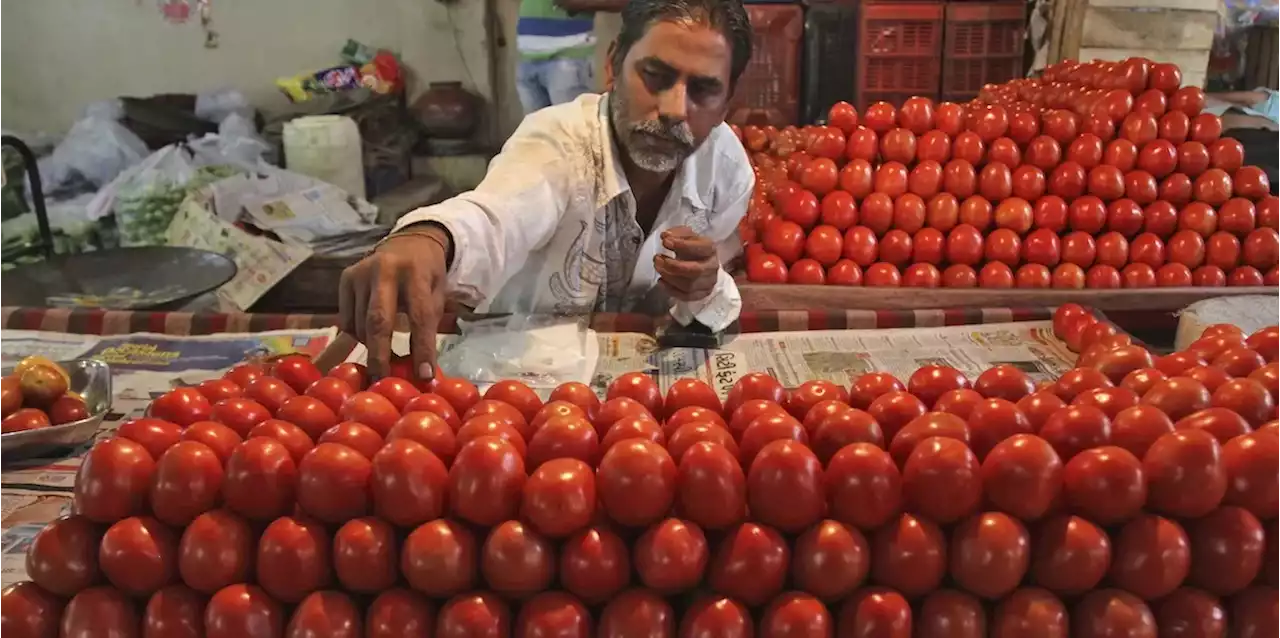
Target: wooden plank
792 297
1178 5
1071 29
1057 27
1119 28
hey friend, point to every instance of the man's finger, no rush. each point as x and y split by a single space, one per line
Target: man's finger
346 302
669 267
690 248
380 320
424 307
360 286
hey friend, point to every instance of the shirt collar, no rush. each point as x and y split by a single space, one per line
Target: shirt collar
615 178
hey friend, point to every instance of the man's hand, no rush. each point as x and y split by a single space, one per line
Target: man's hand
407 271
692 274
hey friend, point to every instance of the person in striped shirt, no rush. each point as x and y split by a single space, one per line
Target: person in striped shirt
556 40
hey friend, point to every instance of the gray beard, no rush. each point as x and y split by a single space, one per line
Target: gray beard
649 160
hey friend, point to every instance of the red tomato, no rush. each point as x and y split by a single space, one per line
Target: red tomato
439 558
1206 128
908 554
959 178
297 371
1261 249
880 117
767 269
1061 125
460 393
839 210
968 146
843 116
63 556
1023 127
183 406
475 614
863 144
1226 550
1252 182
1213 187
959 276
1174 126
1085 150
785 239
995 275
594 564
293 558
1050 213
942 212
371 409
898 145
949 118
1098 125
1067 180
1188 100
964 245
882 275
1045 152
819 176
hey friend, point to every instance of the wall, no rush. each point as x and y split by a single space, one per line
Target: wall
58 55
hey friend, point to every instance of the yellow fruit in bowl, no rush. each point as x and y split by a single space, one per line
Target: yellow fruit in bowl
35 361
42 385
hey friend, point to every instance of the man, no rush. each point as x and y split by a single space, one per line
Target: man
594 204
556 40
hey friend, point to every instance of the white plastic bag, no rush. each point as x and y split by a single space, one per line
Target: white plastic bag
96 149
543 351
216 106
237 143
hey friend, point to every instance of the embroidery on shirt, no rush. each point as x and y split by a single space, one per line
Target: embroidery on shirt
699 220
576 287
622 239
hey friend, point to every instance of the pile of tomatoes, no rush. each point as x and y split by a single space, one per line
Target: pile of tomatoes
1098 175
1134 494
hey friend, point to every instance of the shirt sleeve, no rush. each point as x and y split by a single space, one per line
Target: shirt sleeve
723 306
514 211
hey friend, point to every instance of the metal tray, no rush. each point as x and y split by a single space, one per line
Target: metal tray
89 377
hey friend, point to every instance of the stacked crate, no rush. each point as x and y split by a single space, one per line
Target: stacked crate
899 51
983 44
769 90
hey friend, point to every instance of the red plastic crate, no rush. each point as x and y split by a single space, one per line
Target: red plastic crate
983 45
899 51
769 89
901 29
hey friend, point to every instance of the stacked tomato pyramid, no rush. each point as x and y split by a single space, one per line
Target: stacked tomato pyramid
1135 495
1097 175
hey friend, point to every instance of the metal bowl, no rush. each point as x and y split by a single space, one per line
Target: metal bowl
92 380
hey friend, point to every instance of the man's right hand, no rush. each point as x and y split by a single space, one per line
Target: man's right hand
406 271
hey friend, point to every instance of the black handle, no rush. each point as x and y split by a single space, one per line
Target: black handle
37 191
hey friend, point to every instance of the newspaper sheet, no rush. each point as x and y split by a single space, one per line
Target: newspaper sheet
834 355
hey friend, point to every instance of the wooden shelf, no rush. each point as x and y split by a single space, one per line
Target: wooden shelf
794 297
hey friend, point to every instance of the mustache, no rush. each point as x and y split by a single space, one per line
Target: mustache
673 131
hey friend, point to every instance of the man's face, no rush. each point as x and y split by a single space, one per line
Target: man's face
671 92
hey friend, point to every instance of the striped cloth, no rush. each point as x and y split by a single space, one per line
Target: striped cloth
115 322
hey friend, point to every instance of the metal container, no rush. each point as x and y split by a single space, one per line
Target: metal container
91 379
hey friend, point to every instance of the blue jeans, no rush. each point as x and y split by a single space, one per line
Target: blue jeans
542 83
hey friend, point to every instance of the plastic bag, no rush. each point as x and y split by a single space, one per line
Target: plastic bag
237 144
541 350
217 106
146 198
95 151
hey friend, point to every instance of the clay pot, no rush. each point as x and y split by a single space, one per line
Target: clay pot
447 110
